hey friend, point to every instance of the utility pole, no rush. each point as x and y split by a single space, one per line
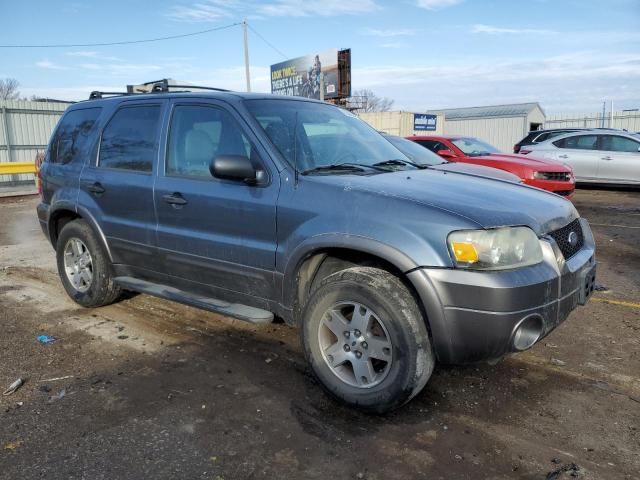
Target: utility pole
604 113
246 54
611 115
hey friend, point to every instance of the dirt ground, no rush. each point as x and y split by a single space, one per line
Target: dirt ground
147 388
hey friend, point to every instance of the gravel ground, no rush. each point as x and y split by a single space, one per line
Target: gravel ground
147 388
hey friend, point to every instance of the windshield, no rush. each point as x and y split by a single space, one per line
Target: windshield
474 147
415 152
324 135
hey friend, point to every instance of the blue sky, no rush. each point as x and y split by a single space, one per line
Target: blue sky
424 54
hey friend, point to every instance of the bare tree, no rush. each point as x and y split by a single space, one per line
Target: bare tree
366 101
9 89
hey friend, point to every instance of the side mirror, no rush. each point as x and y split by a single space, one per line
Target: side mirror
234 167
446 153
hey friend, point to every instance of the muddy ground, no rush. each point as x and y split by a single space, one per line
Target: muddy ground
147 388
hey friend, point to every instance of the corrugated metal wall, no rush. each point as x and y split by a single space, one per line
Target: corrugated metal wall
27 127
626 120
398 123
501 132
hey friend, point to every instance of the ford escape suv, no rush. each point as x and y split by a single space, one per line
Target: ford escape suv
257 206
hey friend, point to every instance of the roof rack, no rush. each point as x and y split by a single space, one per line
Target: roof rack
98 94
165 85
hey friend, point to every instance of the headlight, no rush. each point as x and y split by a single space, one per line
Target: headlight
496 249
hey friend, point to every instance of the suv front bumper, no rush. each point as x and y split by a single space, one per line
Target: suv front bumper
475 315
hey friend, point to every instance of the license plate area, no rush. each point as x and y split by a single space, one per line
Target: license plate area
588 283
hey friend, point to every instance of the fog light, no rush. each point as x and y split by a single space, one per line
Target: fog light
527 332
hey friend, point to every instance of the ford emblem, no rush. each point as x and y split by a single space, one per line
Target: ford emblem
573 239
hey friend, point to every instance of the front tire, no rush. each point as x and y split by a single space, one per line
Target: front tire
84 267
366 340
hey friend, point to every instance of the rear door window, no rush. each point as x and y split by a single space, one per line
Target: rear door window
579 142
130 139
74 136
615 143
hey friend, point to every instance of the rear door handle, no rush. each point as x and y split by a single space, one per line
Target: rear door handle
175 199
96 188
607 158
563 156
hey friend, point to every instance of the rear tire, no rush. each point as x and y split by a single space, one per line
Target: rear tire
84 267
366 340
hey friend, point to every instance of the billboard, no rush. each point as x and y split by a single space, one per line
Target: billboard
301 76
425 121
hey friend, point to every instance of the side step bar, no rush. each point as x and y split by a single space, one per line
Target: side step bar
236 310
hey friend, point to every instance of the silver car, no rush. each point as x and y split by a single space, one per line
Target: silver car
596 156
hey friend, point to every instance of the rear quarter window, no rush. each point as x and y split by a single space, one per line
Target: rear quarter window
579 142
74 136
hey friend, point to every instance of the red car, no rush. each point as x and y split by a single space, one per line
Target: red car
542 173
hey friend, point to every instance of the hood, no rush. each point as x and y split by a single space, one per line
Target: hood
486 202
525 160
477 170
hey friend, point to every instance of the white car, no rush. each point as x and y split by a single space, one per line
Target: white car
596 156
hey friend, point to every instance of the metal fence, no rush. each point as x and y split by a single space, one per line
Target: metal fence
629 120
25 128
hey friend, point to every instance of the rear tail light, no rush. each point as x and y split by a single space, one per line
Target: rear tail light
39 161
524 151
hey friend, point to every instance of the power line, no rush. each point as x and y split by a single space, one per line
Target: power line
266 41
125 42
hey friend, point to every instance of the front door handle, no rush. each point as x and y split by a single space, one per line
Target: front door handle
175 199
563 156
607 158
96 188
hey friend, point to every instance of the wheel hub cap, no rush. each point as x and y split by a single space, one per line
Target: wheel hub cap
78 264
355 344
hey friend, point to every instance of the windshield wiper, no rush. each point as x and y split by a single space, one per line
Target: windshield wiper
397 161
347 167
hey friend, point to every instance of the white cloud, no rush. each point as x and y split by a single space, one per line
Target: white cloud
49 65
493 30
68 93
437 4
82 53
401 32
233 78
208 11
326 8
394 45
91 54
579 81
215 10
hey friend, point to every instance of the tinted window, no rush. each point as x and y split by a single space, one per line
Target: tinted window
615 143
73 137
474 147
433 145
415 152
197 135
579 142
130 140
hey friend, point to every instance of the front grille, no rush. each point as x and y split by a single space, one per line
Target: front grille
561 236
556 176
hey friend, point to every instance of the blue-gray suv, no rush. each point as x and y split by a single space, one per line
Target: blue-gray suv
258 207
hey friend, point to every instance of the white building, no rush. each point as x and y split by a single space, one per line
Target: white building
499 125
